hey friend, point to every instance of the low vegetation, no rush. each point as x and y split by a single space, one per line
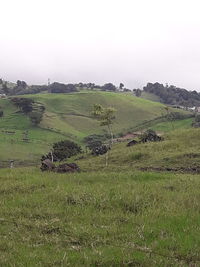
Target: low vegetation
99 218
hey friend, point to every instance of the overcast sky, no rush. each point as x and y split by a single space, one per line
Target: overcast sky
129 41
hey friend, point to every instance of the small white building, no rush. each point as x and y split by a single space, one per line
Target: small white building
2 95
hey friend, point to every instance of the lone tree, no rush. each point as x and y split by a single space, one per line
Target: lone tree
105 116
121 85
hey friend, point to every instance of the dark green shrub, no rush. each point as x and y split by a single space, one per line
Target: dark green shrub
63 150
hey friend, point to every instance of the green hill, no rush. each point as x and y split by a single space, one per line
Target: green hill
71 113
68 116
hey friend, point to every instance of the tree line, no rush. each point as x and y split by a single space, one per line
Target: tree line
173 95
22 88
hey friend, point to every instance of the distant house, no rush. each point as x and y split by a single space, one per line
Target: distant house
192 108
197 109
2 95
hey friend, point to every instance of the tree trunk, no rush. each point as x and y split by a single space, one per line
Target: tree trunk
111 134
51 156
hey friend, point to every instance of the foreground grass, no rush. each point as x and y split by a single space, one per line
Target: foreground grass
98 219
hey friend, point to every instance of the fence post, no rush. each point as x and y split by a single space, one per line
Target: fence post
11 164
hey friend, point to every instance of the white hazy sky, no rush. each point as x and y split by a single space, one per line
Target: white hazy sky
129 41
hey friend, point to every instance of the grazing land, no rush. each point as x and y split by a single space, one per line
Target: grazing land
142 209
106 216
180 149
68 116
99 219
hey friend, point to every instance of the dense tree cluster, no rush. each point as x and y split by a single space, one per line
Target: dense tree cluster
62 88
109 87
33 89
173 95
24 104
88 86
21 87
31 108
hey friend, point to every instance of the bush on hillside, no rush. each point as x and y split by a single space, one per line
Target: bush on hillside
149 136
24 104
95 144
63 150
94 140
100 150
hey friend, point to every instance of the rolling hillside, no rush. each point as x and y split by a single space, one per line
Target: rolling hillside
68 116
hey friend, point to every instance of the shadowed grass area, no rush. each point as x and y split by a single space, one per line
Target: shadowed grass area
98 219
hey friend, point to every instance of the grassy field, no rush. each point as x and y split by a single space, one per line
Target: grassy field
106 216
67 116
168 126
99 219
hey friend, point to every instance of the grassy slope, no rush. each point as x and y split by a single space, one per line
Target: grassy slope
180 148
170 126
67 116
112 216
12 146
72 111
150 96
